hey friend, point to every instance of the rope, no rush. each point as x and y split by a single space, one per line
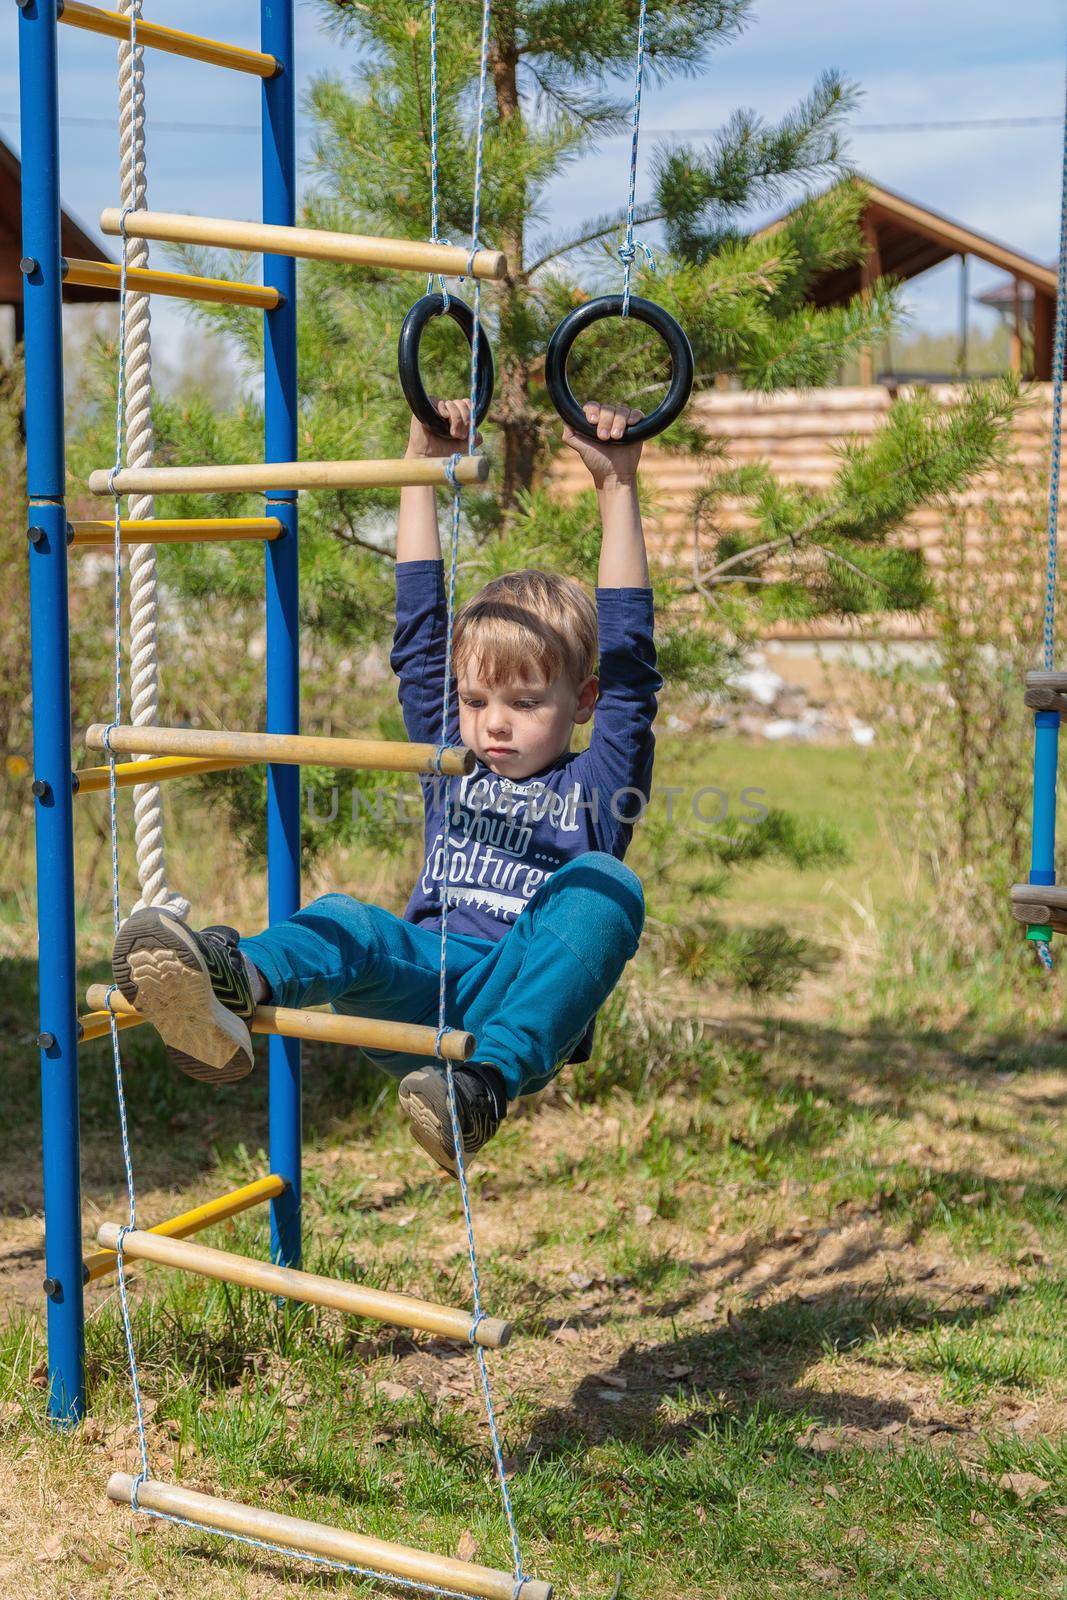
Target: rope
435 207
136 336
442 1026
630 246
1058 348
129 351
331 1563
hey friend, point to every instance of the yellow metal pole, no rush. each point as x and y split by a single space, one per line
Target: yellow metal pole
94 1024
295 749
177 285
100 535
115 26
91 780
101 1262
311 244
259 477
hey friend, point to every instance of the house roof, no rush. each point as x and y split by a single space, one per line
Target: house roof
1002 296
75 241
912 239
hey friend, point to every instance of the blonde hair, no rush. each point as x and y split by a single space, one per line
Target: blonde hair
526 622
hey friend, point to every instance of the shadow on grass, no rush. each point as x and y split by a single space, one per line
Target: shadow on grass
903 1059
753 1364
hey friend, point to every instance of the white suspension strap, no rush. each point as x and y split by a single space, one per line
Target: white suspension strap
631 244
137 355
499 1464
122 412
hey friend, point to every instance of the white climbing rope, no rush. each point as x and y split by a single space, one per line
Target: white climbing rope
144 598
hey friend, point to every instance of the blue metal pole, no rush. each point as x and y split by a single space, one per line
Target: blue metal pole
50 677
1043 835
283 627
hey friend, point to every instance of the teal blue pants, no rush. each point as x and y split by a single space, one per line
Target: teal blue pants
527 998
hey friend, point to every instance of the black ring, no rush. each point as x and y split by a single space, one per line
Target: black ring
407 356
610 305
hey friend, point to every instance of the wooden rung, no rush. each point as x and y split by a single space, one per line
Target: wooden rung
312 244
157 769
293 749
381 1305
176 285
100 535
94 1024
1041 916
1047 680
1039 894
334 1544
327 1027
1045 700
254 477
173 40
101 1262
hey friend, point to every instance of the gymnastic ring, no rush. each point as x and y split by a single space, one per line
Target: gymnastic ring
610 305
407 356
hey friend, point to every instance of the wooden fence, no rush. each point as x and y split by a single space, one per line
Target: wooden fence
800 434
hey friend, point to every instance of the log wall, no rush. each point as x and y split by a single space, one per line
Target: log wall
799 434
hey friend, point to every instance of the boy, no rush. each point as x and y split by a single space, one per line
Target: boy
543 916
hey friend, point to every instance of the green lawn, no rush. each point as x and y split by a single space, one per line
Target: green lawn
789 1308
846 786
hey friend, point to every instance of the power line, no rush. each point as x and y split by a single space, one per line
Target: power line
960 125
154 126
963 125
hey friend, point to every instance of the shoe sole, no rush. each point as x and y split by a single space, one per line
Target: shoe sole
426 1106
159 969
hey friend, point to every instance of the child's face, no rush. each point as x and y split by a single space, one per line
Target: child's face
521 726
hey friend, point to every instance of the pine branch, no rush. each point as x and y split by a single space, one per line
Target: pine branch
598 228
750 162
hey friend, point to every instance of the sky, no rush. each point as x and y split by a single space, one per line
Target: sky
917 62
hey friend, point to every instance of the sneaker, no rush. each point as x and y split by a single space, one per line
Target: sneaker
481 1105
193 987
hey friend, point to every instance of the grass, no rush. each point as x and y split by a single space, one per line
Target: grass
790 1294
844 785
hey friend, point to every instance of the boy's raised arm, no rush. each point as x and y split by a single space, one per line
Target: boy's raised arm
417 535
613 467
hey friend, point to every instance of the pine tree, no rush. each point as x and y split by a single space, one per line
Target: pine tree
559 84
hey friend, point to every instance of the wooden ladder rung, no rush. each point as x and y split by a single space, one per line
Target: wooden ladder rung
295 749
1040 905
224 1206
176 285
313 244
266 476
173 40
327 1027
333 1544
1039 894
382 1305
99 534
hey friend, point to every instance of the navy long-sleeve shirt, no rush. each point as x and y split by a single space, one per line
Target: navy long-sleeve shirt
508 835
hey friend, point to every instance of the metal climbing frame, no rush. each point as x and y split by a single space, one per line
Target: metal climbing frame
282 748
43 270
